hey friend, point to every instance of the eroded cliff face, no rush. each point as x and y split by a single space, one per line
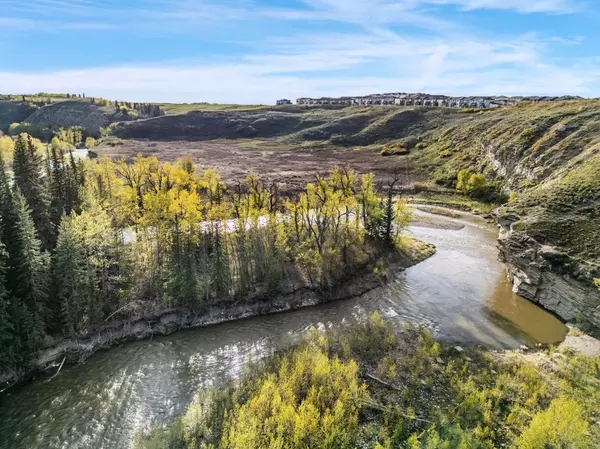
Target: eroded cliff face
545 276
513 169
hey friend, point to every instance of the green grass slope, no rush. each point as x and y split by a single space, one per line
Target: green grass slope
69 113
565 213
548 154
522 146
208 125
14 112
339 126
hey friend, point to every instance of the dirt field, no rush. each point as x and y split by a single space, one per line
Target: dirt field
289 166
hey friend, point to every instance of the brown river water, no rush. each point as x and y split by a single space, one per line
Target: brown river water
461 295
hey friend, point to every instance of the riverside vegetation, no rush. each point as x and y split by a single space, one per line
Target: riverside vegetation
370 388
97 240
84 242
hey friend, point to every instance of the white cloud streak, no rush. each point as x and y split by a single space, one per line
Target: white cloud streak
324 66
522 6
373 58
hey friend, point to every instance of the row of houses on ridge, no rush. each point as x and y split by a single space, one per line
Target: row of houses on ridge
419 99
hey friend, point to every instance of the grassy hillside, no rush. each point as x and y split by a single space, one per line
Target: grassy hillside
182 108
339 126
523 145
13 112
69 113
46 113
208 125
547 154
565 213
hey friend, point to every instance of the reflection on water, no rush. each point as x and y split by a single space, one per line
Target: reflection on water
461 294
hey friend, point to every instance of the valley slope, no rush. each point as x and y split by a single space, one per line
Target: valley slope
544 156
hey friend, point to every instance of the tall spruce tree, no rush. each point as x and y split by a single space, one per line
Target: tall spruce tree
107 261
28 168
29 272
7 336
57 182
71 279
75 179
5 191
220 266
8 216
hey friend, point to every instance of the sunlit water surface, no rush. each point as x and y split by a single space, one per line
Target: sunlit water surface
461 295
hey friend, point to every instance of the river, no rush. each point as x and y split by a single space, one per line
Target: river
461 294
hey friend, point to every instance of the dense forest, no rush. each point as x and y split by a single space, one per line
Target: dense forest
81 241
368 387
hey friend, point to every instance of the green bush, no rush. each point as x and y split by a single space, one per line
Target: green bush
562 425
394 150
477 186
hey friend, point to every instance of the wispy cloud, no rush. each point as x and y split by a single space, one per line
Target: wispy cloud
322 66
367 13
375 49
522 6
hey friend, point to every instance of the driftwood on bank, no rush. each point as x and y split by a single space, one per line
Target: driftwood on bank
59 368
382 382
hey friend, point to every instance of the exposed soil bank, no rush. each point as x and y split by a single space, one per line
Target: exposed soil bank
546 276
152 321
539 273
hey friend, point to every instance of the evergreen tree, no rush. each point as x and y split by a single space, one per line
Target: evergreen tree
29 176
183 282
74 180
5 193
71 279
6 328
57 183
29 276
220 266
7 212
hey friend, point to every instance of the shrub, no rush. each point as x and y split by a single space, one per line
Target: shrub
15 129
420 187
394 150
562 425
90 143
477 186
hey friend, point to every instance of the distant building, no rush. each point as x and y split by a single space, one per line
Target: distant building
283 101
427 100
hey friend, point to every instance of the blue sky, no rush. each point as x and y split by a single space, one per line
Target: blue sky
256 51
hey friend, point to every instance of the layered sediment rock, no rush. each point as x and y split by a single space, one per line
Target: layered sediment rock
547 277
